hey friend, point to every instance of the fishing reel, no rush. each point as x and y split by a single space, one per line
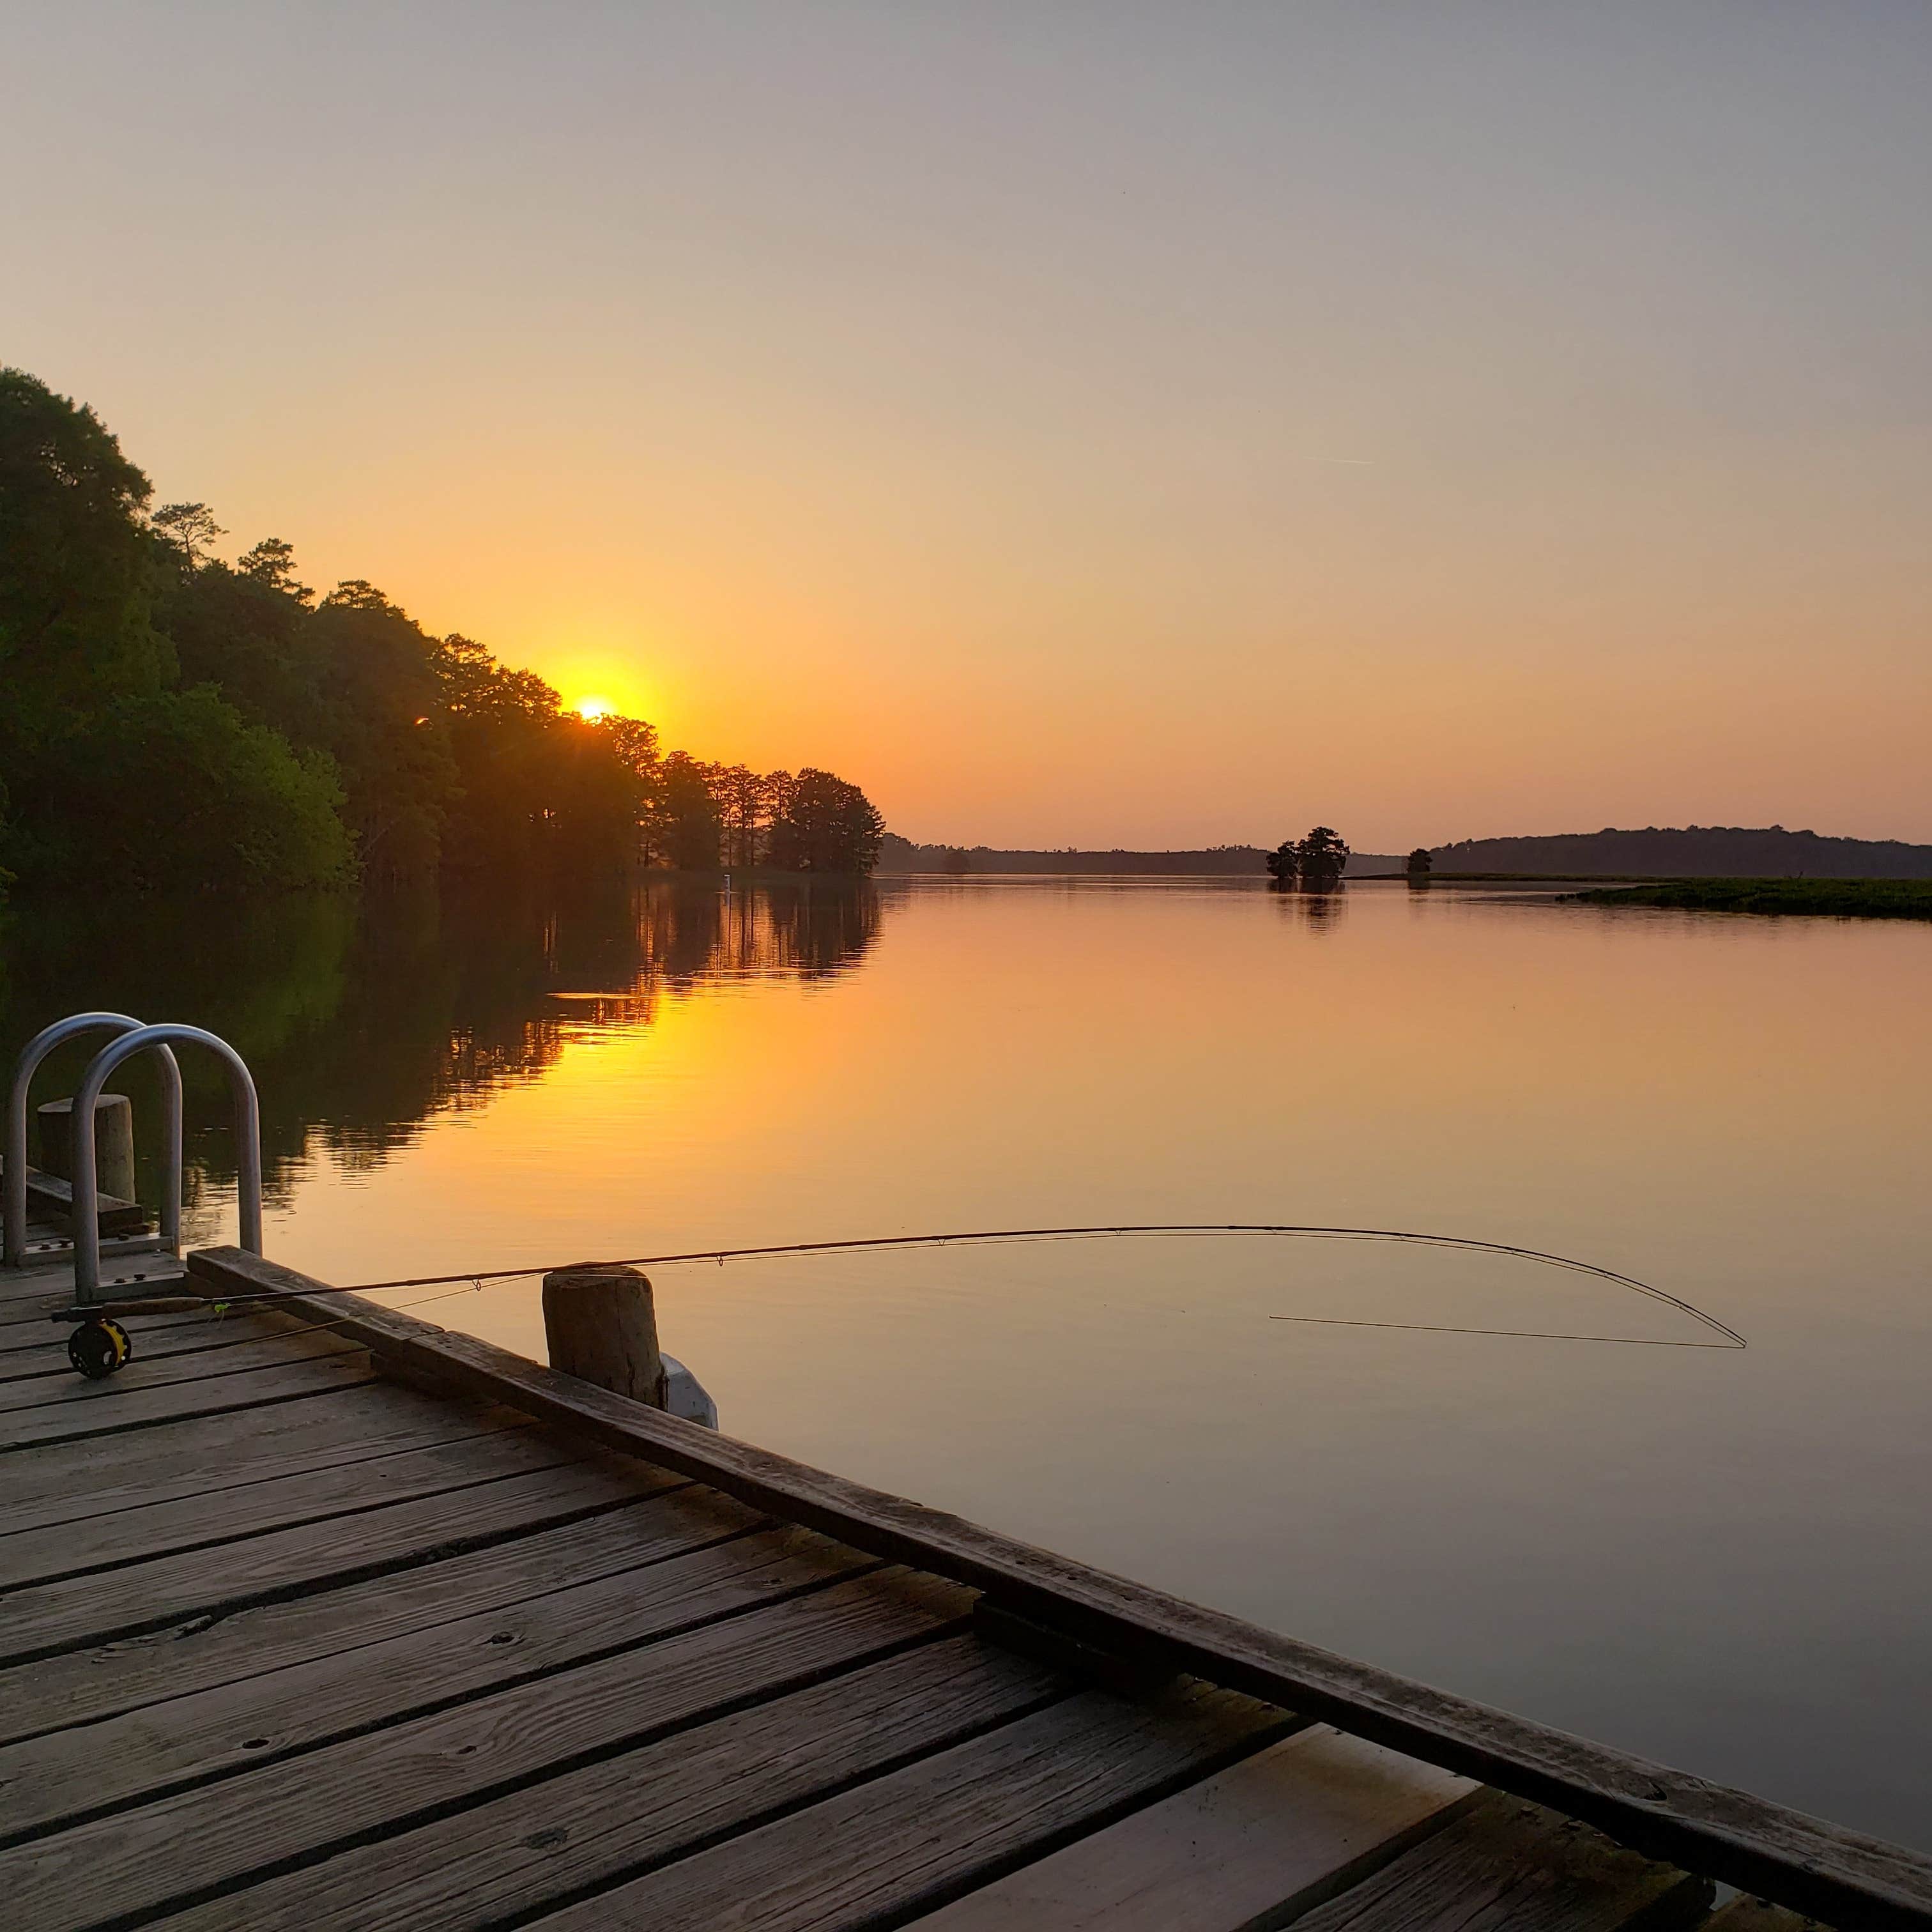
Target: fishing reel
99 1347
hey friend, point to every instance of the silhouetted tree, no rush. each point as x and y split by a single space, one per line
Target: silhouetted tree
821 823
683 826
189 528
381 713
271 563
1420 860
1284 863
743 799
1321 856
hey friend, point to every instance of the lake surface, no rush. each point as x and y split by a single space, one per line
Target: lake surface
1720 1559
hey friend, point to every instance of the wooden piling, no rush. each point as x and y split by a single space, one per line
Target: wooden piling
600 1325
113 1142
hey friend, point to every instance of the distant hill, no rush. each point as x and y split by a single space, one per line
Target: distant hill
1692 852
902 855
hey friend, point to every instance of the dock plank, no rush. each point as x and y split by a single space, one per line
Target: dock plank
43 1618
230 1358
59 1777
97 1476
118 1410
1259 1842
40 1289
540 1846
175 1851
84 1685
338 1490
1507 1866
960 1816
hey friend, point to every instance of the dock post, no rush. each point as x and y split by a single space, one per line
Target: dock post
601 1326
113 1142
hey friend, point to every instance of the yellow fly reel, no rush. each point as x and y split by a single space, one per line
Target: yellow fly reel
98 1347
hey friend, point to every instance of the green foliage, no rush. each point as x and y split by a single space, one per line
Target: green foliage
179 790
255 641
77 570
379 713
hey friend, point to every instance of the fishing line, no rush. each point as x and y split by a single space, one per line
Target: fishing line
1517 1334
1730 1338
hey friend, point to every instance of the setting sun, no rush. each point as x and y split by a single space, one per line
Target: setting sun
592 709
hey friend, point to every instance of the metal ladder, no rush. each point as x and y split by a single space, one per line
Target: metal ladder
132 1037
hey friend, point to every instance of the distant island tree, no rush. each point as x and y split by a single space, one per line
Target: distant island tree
1321 856
1419 862
1284 863
172 721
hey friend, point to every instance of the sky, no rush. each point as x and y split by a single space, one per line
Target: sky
1150 425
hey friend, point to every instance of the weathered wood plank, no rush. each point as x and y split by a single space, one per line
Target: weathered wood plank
1505 1866
228 1358
338 1492
99 1476
176 1850
60 1777
1258 1843
141 1408
83 1686
139 1266
51 1198
543 1844
47 1617
913 1838
1762 1847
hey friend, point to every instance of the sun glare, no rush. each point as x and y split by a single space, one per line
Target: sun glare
592 709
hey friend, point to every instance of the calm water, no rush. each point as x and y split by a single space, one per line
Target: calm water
1720 1559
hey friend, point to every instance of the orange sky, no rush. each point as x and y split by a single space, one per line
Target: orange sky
1152 428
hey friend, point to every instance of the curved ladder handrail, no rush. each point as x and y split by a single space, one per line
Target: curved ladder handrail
35 1050
86 1186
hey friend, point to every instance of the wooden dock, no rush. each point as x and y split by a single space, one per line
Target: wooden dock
370 1625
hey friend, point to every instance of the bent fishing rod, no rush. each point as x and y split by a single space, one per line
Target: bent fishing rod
475 1278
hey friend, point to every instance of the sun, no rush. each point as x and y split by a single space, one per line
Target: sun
592 709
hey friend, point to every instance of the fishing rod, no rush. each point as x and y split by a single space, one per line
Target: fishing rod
1729 1337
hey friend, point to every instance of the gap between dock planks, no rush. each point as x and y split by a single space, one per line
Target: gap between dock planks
1840 1876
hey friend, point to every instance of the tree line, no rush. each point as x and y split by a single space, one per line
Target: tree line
171 719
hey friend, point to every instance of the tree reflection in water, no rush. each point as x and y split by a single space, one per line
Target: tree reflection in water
363 1017
1319 906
